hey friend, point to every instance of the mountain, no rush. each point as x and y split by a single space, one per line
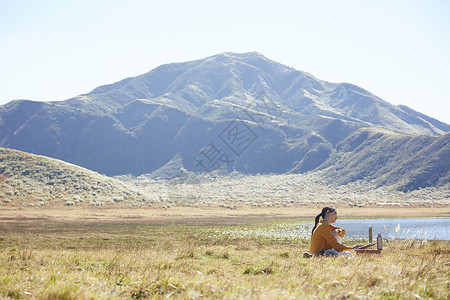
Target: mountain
404 162
239 112
29 180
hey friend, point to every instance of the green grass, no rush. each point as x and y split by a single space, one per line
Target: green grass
106 260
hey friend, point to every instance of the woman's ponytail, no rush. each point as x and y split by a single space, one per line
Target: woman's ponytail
316 222
322 214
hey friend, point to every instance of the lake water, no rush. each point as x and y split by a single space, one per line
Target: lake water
420 228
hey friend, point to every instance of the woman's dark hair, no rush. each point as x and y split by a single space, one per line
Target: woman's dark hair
322 214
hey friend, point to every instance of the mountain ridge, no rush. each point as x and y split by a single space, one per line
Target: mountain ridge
259 116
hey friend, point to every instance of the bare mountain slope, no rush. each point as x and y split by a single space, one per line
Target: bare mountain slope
239 112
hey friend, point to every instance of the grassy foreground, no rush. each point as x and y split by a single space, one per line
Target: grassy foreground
104 259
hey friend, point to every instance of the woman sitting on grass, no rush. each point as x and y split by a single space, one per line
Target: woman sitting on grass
326 238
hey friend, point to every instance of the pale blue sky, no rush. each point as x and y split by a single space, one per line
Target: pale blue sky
398 50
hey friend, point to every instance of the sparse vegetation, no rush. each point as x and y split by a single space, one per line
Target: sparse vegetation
33 180
237 190
108 260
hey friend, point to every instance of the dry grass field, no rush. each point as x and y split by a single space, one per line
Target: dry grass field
112 253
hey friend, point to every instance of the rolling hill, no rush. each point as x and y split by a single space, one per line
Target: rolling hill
35 180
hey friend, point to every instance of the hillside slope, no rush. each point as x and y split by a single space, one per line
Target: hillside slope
29 180
403 162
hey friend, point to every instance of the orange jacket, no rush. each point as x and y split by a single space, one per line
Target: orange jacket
323 239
